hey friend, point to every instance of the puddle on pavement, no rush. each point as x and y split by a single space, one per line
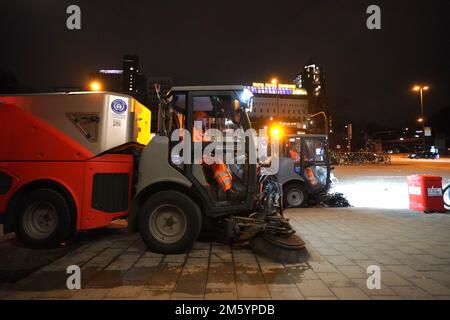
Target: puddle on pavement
18 262
165 275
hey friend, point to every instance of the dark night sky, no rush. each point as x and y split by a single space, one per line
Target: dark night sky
370 73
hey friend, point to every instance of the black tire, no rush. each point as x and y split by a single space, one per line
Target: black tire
295 196
43 220
153 222
446 195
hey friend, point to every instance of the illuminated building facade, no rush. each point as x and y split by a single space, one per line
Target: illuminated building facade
127 80
281 101
312 79
133 82
130 73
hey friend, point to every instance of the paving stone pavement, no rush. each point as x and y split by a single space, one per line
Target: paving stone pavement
411 249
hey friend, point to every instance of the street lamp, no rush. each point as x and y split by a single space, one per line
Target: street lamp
421 89
325 117
95 86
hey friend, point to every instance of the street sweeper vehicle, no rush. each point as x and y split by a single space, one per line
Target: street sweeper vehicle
67 162
76 161
305 171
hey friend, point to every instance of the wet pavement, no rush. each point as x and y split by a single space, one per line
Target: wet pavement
412 250
385 186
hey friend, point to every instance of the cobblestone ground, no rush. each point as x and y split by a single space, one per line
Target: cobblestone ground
412 250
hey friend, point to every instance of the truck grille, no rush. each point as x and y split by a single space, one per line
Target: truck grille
110 192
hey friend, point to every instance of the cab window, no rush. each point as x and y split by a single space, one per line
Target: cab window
315 150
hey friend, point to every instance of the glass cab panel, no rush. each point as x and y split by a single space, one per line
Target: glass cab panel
217 131
310 157
216 123
316 167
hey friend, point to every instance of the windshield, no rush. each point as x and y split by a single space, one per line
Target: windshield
246 100
315 150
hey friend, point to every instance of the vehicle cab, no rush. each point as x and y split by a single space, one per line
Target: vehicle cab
203 132
304 168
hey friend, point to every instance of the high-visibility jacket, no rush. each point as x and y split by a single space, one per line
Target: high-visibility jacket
221 173
311 177
222 176
294 155
197 135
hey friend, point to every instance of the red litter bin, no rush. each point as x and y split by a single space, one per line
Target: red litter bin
425 193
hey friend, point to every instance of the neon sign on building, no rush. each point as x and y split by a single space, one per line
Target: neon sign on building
280 88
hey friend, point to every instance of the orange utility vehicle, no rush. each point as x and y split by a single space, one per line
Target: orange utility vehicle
67 162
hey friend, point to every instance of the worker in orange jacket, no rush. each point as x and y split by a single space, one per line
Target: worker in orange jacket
220 170
309 173
294 155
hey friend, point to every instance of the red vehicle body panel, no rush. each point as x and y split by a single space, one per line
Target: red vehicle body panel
32 150
28 138
109 163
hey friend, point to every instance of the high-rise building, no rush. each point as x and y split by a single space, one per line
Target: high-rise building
133 82
312 78
130 73
127 80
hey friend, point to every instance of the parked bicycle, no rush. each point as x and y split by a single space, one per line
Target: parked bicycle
351 158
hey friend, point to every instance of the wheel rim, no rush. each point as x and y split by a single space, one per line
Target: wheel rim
40 220
295 197
447 197
167 223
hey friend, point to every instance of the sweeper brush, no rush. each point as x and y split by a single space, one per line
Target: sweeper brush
287 250
277 240
267 231
271 237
